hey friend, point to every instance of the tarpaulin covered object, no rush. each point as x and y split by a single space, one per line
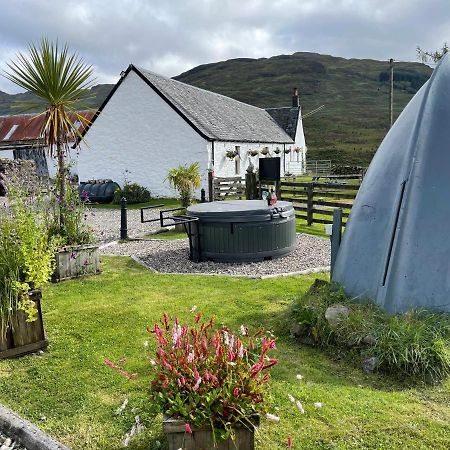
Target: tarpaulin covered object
396 246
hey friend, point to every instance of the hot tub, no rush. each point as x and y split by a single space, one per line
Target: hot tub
243 230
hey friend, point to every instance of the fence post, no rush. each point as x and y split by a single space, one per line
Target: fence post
251 186
336 237
210 185
202 196
309 204
123 219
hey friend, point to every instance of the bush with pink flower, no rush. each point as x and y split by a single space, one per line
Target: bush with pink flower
209 376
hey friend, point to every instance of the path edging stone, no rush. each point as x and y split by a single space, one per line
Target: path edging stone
26 433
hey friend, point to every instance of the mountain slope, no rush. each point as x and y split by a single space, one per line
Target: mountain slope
355 93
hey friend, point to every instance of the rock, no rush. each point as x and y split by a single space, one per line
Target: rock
336 313
296 330
6 444
370 339
370 364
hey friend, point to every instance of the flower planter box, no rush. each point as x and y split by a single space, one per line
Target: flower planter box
24 337
76 261
203 438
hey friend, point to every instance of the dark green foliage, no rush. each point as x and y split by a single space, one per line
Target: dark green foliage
414 344
133 192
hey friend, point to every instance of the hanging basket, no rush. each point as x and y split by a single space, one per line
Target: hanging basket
265 151
253 152
287 151
231 154
277 151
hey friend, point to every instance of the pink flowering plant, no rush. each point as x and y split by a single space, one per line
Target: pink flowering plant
211 377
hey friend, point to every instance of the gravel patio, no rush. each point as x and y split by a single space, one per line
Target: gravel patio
172 256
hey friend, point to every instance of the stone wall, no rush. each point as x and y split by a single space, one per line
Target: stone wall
18 172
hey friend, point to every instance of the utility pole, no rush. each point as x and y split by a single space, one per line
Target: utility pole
391 93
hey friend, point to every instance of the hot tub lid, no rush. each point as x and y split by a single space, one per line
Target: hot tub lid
238 210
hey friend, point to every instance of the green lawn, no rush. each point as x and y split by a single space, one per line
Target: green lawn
106 316
168 235
167 202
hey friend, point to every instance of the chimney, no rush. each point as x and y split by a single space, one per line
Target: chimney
295 101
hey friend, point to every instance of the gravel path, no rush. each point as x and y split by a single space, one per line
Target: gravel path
172 257
7 443
106 223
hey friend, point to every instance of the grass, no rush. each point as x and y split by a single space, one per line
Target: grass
106 317
168 235
414 345
167 202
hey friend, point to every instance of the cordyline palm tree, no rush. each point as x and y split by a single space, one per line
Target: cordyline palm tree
59 80
185 179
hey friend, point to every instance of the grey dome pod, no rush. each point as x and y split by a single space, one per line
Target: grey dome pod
396 246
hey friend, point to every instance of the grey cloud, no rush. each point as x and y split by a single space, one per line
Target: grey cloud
172 36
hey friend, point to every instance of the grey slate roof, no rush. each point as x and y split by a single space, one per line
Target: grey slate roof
286 118
218 117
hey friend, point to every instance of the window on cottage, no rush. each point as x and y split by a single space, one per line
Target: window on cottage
237 160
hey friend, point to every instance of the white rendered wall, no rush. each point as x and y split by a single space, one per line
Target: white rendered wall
139 132
296 160
225 167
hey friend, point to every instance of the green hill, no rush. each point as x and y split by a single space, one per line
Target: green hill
355 93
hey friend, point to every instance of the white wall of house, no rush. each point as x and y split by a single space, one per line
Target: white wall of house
296 160
139 132
225 167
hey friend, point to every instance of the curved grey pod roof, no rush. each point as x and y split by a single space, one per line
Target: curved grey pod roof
396 246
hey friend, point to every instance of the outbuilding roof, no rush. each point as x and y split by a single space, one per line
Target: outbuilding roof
24 130
287 118
214 116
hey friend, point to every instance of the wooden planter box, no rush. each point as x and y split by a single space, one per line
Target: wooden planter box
203 438
24 337
76 261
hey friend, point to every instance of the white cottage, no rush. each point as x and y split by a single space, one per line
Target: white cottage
150 124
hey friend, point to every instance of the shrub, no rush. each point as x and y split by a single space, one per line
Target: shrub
185 179
73 230
209 377
26 255
413 344
133 192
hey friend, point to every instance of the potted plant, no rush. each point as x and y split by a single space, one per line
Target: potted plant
253 152
210 383
26 264
78 254
60 81
185 179
287 151
231 154
265 151
277 151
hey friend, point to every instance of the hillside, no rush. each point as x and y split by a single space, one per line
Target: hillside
355 93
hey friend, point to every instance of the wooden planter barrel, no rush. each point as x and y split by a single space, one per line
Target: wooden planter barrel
203 438
76 261
24 337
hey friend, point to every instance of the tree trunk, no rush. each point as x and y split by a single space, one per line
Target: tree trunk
62 183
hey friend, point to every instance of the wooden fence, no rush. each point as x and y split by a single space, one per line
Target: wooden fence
315 202
224 188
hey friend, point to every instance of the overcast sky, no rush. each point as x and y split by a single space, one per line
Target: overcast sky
172 36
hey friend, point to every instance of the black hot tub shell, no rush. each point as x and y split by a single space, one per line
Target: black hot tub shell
243 230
